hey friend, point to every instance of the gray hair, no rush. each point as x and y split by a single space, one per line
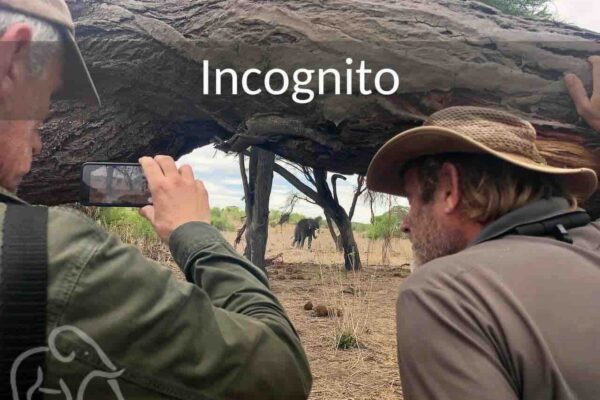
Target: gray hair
46 41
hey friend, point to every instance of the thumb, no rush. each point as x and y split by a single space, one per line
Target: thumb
148 213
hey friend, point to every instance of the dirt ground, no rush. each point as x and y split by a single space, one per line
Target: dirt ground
365 302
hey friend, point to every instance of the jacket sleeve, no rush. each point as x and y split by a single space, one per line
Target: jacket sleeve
223 336
443 351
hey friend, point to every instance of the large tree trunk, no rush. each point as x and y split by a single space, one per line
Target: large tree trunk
257 205
147 60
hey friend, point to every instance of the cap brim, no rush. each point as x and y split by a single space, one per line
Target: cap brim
77 81
383 174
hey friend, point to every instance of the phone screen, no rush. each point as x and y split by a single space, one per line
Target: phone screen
114 185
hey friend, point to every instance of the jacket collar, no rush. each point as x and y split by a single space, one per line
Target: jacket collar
539 210
9 197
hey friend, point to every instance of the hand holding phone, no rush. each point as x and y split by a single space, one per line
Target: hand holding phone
177 198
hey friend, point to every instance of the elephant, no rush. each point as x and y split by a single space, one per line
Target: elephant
306 228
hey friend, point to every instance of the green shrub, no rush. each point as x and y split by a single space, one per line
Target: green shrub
388 224
221 219
117 219
540 9
359 227
295 218
233 214
345 341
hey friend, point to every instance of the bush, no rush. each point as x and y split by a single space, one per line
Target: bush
359 227
125 220
345 341
275 216
221 218
527 8
388 225
295 218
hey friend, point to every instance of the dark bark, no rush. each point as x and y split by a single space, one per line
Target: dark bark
257 205
334 235
341 219
147 60
248 201
323 197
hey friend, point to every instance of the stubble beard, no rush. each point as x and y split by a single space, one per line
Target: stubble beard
431 240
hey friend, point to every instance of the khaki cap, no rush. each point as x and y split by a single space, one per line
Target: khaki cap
76 76
472 130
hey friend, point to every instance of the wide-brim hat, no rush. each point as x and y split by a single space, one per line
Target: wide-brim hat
472 130
77 81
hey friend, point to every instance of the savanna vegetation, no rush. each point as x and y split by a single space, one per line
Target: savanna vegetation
345 319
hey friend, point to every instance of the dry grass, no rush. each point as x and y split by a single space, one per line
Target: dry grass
369 371
366 300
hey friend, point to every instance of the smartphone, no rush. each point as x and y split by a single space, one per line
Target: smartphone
106 184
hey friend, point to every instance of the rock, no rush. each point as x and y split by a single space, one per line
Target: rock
324 311
349 290
353 292
308 306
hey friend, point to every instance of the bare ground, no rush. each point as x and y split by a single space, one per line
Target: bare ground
367 304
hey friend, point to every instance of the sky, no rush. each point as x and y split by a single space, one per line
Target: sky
583 13
221 173
221 176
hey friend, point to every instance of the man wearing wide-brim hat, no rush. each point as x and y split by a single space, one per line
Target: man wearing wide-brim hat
504 300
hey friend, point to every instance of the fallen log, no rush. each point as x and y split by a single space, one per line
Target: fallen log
148 57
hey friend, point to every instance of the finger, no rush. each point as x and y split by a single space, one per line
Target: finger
201 189
152 171
167 164
148 213
595 61
577 92
186 172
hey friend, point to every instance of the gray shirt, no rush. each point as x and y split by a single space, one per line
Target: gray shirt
510 317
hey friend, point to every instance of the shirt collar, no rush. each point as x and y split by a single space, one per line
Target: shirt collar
6 196
539 210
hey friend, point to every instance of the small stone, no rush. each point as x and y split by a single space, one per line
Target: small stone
349 290
324 311
308 306
321 311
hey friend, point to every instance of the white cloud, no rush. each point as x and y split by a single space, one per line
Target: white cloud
583 13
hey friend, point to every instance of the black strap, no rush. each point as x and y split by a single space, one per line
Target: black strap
557 226
23 295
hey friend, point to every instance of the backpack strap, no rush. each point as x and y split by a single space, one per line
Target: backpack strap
557 226
23 295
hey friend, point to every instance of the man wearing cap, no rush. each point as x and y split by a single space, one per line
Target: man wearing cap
504 300
113 323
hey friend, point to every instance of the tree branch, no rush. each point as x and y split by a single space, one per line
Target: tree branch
360 189
298 184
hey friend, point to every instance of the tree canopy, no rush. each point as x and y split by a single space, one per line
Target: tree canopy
526 8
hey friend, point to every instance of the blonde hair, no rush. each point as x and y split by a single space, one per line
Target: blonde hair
490 187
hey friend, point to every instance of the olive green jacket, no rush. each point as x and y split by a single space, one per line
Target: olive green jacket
132 329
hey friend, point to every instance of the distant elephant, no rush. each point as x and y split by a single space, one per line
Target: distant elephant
306 228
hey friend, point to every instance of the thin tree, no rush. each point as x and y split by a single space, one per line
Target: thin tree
326 197
257 183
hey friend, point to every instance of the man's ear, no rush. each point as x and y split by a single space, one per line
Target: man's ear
449 187
15 44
